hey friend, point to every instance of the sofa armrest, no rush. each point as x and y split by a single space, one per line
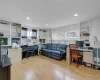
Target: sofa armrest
62 51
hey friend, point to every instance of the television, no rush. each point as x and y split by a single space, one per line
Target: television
3 41
80 43
87 44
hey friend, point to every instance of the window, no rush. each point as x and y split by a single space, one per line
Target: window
34 34
29 33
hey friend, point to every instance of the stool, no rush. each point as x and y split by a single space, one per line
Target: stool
30 51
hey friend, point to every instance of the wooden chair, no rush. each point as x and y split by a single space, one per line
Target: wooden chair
74 54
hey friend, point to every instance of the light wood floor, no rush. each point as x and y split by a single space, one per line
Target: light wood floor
44 68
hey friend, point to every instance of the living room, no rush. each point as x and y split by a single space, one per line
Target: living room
49 40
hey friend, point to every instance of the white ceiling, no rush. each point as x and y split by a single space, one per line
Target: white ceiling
55 13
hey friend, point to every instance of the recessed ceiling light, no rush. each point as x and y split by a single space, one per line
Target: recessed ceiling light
46 24
28 18
76 14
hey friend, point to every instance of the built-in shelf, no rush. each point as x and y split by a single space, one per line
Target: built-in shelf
86 34
24 37
12 30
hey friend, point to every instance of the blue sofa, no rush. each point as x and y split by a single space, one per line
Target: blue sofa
55 51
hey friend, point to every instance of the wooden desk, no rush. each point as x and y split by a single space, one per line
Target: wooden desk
85 50
87 55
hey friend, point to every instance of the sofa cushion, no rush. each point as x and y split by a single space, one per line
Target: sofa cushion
47 50
49 46
61 47
64 51
43 46
56 52
54 46
35 47
52 51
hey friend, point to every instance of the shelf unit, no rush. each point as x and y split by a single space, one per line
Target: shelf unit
42 36
16 33
28 36
85 32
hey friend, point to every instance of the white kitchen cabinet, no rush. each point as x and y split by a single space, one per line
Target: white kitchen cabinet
15 55
88 57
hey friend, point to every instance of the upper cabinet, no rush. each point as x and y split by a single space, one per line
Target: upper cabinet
15 33
12 32
15 30
4 28
42 34
5 32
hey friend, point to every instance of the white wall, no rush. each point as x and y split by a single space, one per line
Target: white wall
59 34
48 35
95 28
94 31
24 41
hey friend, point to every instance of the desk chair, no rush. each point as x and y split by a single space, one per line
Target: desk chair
74 54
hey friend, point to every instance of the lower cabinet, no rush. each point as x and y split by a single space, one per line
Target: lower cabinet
88 57
5 73
15 55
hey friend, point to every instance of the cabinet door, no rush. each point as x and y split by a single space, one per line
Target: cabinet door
5 73
41 34
88 57
15 54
